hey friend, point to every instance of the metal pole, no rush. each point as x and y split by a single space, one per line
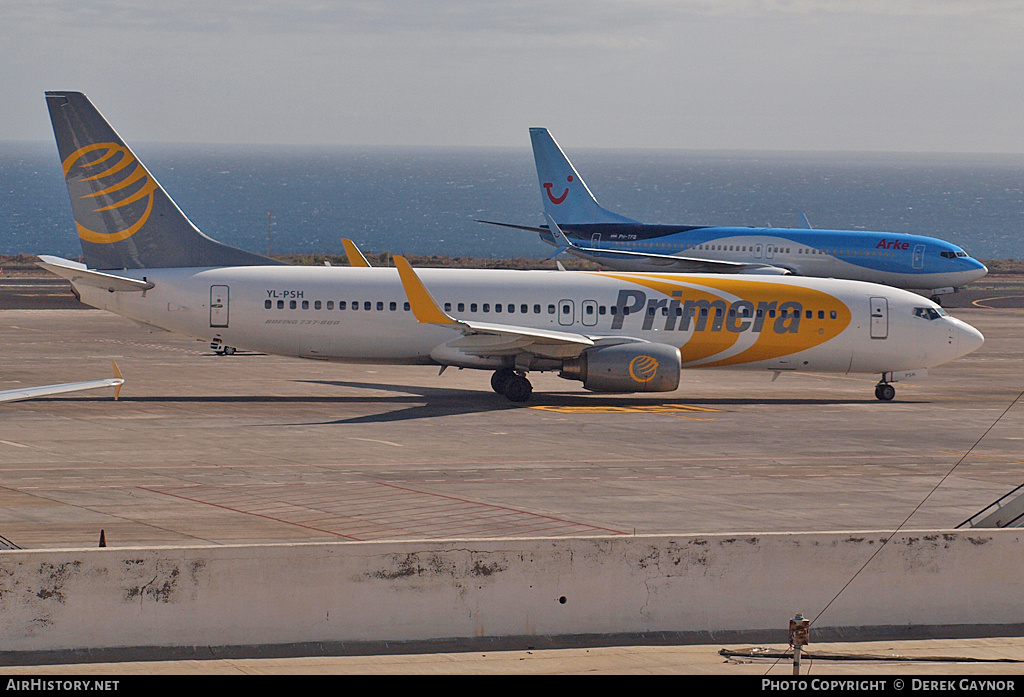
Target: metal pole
799 636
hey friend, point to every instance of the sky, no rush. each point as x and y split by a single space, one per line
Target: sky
808 75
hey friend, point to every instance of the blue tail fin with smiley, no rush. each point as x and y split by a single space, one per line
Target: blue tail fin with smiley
566 197
125 220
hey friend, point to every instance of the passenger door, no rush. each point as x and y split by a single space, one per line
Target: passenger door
879 318
918 260
218 306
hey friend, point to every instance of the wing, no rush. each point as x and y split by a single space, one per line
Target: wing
677 264
655 262
484 339
663 262
42 391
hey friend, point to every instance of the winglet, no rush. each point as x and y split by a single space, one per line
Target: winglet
355 257
118 376
423 305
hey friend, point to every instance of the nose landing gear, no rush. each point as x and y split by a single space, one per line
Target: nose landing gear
885 392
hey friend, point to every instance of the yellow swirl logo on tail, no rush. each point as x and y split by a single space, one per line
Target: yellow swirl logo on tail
643 368
129 182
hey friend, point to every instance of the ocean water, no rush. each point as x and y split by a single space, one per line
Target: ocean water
426 201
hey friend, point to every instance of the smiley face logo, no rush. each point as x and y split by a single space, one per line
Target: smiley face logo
643 368
557 200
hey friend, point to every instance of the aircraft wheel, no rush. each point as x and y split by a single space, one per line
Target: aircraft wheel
499 381
885 392
518 388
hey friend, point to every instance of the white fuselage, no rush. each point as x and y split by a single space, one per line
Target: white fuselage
361 315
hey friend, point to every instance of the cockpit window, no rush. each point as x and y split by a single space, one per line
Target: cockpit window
953 255
929 313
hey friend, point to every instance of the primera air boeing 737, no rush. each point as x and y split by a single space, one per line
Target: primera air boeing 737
617 242
615 332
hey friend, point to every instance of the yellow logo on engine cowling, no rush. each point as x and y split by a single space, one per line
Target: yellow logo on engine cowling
643 368
124 182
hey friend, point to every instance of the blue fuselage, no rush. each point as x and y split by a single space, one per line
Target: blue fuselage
900 260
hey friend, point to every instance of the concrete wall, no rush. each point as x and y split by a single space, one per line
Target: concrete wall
411 591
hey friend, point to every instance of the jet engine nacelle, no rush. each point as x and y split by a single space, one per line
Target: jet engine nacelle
633 367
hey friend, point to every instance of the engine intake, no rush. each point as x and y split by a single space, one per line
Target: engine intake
633 367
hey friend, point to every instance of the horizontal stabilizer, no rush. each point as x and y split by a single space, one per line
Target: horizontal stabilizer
528 228
79 274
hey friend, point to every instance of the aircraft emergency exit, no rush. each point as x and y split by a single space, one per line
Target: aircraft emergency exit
615 241
614 332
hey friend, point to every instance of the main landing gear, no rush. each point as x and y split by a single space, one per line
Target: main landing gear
511 384
885 392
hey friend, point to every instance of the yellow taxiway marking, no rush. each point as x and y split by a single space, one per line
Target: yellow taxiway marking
664 409
981 301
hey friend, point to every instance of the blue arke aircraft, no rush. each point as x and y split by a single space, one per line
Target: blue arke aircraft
585 229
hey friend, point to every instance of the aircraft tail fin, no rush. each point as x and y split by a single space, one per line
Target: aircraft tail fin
566 197
125 220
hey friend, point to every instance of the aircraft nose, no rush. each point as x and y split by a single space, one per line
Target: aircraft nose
977 269
968 338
